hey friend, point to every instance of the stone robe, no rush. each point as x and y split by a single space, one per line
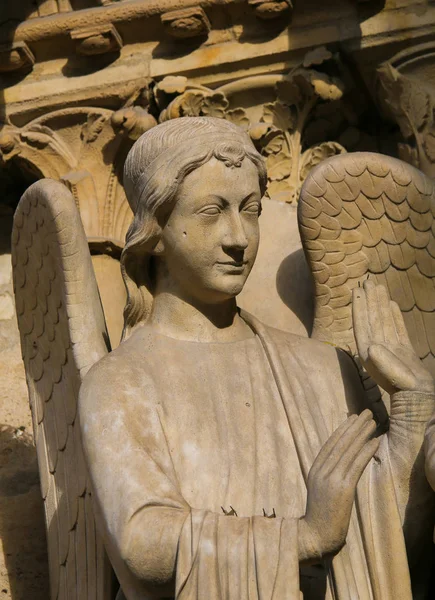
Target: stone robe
177 432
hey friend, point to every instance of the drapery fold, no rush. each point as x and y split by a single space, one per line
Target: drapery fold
231 558
234 424
376 522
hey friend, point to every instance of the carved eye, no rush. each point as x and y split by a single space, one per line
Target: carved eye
252 208
210 211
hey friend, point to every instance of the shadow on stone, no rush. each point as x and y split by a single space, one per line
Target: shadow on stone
292 279
22 527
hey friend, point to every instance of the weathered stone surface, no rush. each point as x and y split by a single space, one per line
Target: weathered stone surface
228 408
112 292
73 117
279 290
23 550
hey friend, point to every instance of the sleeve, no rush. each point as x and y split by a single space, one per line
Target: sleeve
397 473
401 457
159 545
410 413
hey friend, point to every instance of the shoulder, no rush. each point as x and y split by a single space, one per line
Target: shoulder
307 349
319 361
120 375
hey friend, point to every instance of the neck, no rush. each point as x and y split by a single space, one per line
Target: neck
191 320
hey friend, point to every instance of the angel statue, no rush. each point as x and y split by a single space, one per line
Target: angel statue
223 459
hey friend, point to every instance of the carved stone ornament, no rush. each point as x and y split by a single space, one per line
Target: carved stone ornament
299 121
291 130
244 466
15 57
408 95
96 40
186 23
271 9
84 148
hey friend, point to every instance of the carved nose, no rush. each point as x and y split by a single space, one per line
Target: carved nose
236 237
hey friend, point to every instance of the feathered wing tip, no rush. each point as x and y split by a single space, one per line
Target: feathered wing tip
63 334
365 214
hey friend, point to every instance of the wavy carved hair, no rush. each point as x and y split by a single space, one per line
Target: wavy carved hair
154 169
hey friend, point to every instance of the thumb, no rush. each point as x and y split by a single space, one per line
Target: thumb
394 374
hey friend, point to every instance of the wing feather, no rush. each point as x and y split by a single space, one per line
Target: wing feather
91 547
385 223
81 551
62 333
41 450
71 567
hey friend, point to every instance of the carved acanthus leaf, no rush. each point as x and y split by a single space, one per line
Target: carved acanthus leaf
408 154
314 156
239 117
93 127
279 134
280 115
408 101
429 145
81 147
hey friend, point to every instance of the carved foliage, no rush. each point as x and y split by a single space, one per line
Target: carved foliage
412 105
302 121
292 132
85 149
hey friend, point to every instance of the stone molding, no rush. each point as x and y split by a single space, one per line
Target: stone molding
16 56
96 40
186 23
296 120
84 148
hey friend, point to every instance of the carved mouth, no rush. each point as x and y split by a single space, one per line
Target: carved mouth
233 263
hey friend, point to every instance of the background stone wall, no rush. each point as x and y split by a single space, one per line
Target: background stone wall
23 553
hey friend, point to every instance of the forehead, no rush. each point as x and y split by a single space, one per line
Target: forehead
214 178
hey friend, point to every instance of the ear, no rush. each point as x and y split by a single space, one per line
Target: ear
159 248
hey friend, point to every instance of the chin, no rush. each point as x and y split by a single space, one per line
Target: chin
231 289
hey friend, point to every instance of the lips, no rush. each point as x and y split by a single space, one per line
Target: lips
232 263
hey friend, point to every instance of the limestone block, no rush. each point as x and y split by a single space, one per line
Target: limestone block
279 289
112 292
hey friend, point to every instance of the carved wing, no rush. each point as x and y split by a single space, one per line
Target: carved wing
62 333
365 214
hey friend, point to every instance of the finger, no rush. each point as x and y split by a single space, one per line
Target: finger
387 319
375 320
360 441
393 371
360 318
347 440
402 332
361 462
332 440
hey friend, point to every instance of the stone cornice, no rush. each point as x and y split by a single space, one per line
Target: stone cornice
43 28
224 56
